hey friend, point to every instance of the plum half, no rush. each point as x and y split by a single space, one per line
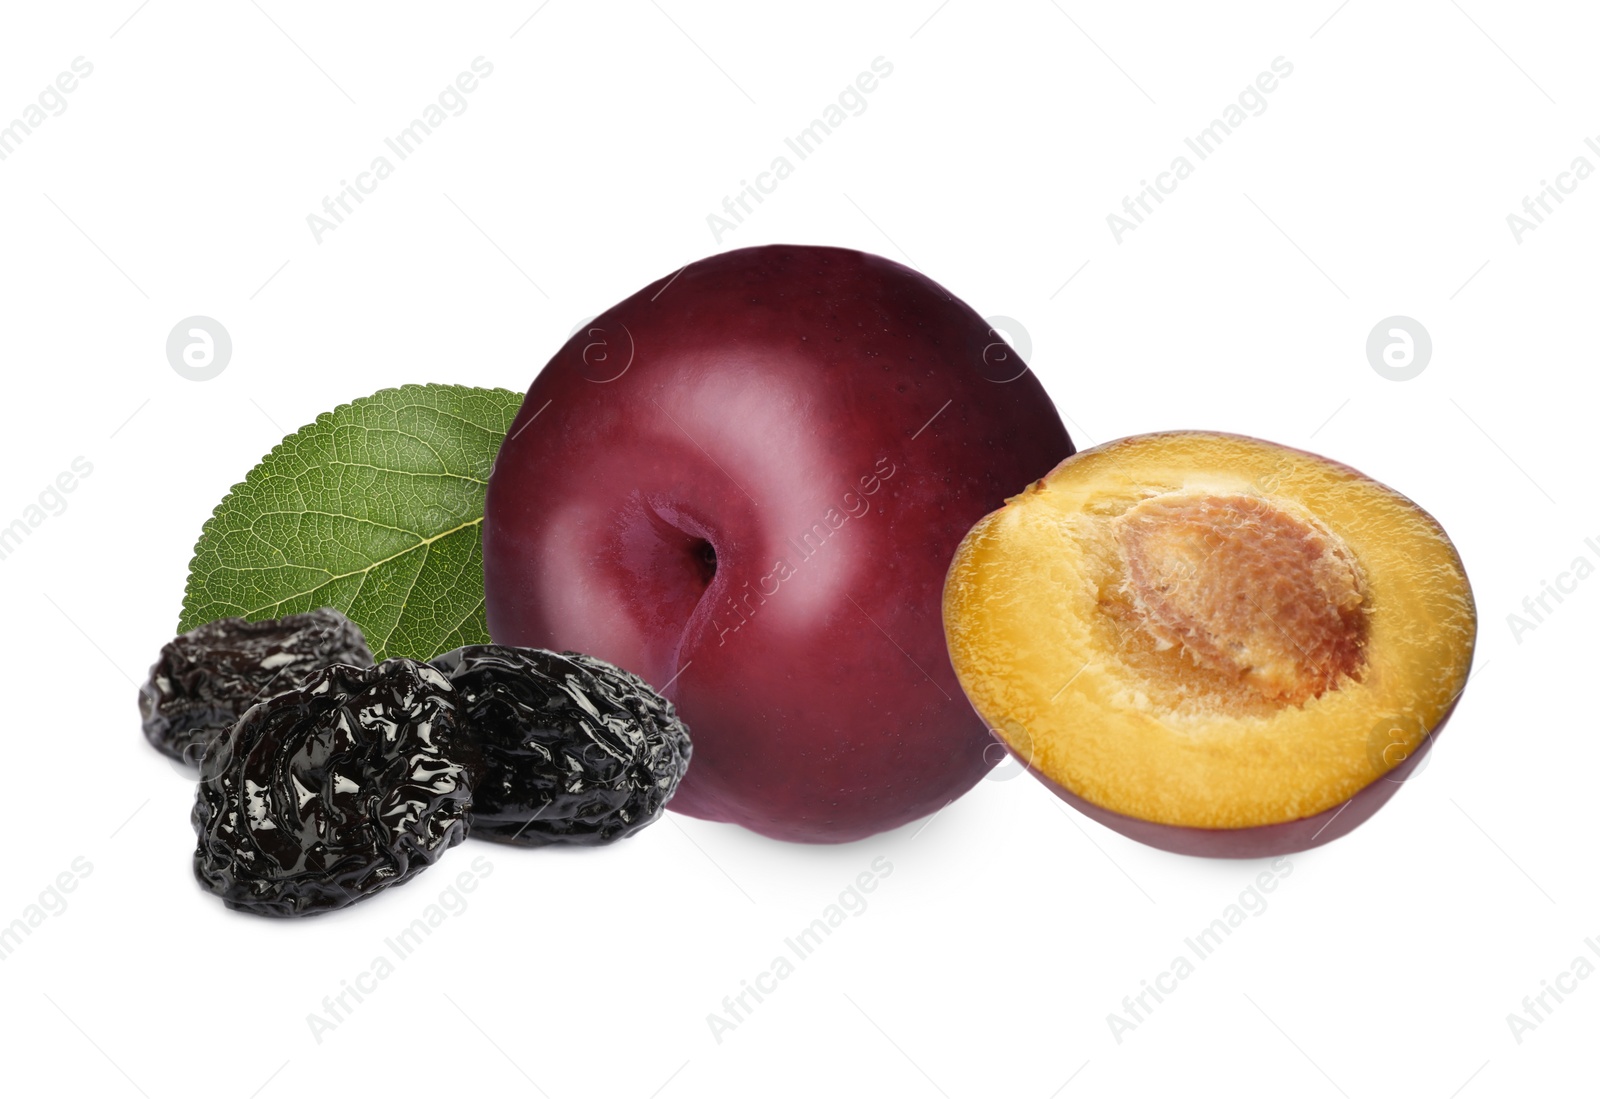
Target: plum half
1212 644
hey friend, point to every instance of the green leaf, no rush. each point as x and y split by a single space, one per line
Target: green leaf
376 509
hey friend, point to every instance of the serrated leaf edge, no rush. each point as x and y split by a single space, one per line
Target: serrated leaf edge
190 602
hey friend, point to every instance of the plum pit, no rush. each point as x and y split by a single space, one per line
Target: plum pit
1248 589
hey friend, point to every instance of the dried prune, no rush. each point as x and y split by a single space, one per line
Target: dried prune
206 678
576 751
326 793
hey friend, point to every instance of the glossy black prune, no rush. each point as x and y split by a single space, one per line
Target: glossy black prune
576 751
326 793
206 678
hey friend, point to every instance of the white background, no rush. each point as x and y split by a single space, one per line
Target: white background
1376 183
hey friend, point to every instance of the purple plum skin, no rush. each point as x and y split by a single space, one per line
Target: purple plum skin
745 483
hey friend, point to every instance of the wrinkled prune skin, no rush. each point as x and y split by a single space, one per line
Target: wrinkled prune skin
576 751
322 795
208 677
